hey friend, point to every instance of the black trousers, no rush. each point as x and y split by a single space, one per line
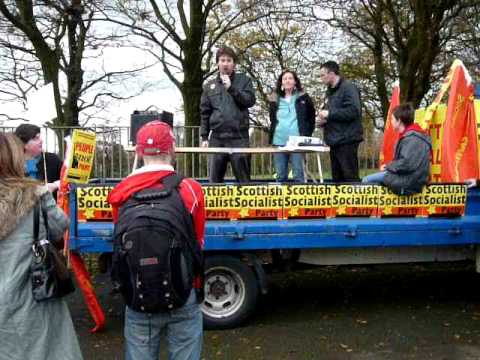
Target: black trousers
240 162
344 161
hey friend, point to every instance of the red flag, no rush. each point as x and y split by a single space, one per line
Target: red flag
76 262
390 136
83 280
459 158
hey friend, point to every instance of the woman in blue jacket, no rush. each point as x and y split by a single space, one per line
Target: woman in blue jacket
292 113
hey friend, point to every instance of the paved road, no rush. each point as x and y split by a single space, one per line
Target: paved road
378 312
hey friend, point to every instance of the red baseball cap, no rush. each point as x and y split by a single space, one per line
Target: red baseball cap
155 137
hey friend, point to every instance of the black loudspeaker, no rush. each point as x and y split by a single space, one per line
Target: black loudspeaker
140 118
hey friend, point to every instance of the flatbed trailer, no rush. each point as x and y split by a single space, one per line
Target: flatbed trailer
284 226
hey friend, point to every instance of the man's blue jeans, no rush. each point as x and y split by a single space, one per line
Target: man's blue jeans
375 177
183 328
281 166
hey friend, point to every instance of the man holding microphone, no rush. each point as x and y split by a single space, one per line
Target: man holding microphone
224 117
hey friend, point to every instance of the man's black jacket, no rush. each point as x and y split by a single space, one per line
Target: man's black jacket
344 122
52 166
225 112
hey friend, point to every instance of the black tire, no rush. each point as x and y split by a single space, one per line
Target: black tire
231 292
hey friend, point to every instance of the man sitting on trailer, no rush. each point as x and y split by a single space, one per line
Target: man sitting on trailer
409 171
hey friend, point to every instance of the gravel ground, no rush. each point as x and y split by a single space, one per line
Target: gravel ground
376 312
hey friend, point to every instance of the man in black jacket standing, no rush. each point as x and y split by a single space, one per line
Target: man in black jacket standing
224 117
40 165
341 118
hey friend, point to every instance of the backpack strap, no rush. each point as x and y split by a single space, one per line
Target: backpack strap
171 183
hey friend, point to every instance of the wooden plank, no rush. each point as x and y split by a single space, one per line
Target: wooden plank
256 150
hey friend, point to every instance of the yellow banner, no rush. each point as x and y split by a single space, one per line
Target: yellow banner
275 201
246 201
435 199
80 162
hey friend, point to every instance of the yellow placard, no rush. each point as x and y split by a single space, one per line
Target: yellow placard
435 129
435 199
307 201
92 202
81 157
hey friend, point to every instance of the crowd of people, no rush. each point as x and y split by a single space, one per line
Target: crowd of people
224 120
224 124
158 302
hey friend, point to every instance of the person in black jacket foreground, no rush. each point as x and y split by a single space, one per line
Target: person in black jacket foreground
224 119
341 119
291 114
409 170
40 165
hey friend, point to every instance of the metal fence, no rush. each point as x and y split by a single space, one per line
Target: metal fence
112 160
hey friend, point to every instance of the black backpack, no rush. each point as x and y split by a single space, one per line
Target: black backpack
156 255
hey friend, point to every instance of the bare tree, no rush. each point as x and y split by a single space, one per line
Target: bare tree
412 34
48 42
287 39
183 35
467 47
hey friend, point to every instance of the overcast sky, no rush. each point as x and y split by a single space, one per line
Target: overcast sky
162 94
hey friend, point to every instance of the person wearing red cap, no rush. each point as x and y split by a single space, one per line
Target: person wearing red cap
156 145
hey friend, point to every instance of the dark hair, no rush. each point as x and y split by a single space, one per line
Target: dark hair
404 113
228 51
27 132
298 84
331 66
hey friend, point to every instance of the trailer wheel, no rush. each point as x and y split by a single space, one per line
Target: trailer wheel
231 292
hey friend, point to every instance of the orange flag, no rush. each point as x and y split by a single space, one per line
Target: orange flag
85 283
62 194
390 136
75 261
459 157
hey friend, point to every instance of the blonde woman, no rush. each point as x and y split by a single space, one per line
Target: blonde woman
28 330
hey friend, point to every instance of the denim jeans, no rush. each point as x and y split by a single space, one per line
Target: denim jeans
375 177
183 328
281 166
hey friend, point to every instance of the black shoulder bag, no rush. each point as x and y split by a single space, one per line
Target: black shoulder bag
50 276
